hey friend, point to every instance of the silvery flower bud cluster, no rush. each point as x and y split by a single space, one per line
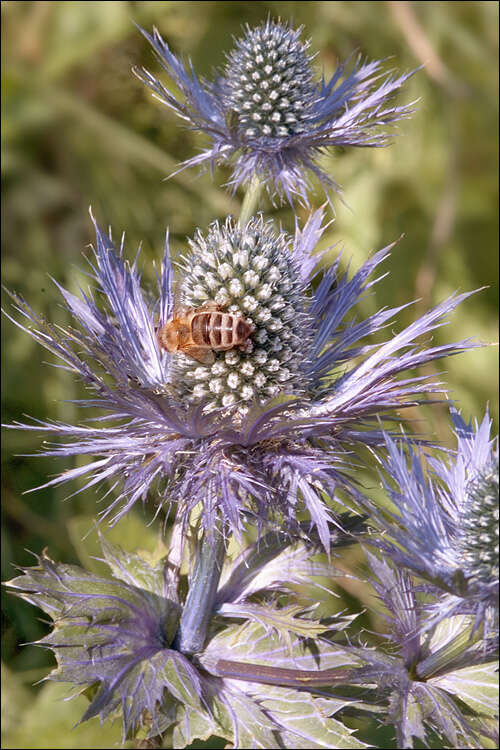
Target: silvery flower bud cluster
480 526
269 83
247 271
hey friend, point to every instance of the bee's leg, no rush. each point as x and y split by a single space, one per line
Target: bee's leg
209 306
200 354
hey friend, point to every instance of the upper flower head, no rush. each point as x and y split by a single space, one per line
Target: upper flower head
267 429
268 116
268 83
446 525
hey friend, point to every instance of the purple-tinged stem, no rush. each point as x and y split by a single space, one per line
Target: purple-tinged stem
296 678
199 605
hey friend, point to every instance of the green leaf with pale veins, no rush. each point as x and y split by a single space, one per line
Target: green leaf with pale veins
251 643
272 564
283 621
252 728
134 568
442 714
405 713
70 591
300 718
476 686
306 721
231 714
194 725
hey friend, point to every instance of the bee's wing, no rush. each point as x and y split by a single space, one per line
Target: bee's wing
179 309
200 354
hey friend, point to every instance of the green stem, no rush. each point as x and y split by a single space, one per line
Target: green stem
192 632
251 199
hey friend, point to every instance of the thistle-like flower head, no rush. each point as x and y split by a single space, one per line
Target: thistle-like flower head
445 528
221 433
249 272
268 116
479 525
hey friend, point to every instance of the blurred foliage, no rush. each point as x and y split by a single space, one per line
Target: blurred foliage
79 129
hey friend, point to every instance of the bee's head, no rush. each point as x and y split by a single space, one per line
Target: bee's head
168 336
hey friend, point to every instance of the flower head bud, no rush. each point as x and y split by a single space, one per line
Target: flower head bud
269 83
250 273
480 526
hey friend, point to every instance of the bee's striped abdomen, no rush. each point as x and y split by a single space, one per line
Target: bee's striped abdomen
221 330
200 329
218 330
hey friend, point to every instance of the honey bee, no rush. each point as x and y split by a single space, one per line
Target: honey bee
201 331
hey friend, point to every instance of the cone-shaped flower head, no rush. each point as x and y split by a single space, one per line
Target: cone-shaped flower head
266 113
479 525
249 272
268 83
266 428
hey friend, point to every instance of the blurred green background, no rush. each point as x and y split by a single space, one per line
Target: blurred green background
80 129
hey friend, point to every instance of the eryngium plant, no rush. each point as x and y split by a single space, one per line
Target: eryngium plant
259 437
268 116
272 458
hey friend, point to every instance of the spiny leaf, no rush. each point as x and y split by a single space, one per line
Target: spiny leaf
284 621
476 686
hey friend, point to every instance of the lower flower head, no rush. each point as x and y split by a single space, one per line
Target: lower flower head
479 526
430 662
445 529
